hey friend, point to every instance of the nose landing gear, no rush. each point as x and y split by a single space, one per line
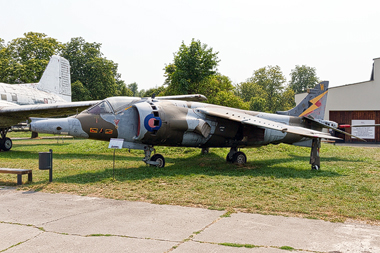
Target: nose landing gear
157 160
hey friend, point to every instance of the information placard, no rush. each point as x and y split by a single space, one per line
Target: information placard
363 132
116 143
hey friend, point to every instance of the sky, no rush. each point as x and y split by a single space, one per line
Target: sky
339 38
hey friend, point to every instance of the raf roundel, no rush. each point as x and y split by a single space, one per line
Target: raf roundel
152 123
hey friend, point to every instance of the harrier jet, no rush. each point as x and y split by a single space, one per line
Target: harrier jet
50 97
184 121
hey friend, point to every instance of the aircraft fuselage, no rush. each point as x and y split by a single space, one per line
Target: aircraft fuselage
168 123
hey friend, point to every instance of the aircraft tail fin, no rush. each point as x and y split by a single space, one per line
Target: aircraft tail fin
56 78
313 105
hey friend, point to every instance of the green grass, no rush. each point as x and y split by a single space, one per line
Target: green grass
276 180
238 245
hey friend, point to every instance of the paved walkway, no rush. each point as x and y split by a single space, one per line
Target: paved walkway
42 222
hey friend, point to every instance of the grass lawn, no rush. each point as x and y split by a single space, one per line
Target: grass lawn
276 179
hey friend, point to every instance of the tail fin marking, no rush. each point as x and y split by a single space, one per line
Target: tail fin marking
313 105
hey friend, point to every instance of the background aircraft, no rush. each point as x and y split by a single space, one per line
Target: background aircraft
50 97
143 123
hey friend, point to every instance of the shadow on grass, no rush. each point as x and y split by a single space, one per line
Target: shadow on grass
206 165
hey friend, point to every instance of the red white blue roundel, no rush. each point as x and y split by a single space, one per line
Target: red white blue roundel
152 123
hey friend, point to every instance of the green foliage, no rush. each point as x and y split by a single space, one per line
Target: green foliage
192 65
79 92
134 88
258 104
159 91
287 100
97 74
122 90
272 81
229 99
141 93
23 60
266 91
302 78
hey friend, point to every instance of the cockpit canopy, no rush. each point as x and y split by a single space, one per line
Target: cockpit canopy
112 105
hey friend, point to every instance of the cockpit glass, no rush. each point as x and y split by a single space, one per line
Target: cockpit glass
120 103
102 107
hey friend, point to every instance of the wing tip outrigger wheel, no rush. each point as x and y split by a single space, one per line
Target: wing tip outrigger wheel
315 160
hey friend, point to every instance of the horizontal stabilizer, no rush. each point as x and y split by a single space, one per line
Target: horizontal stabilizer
319 123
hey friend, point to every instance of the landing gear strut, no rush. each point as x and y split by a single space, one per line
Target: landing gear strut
235 156
5 142
315 160
156 160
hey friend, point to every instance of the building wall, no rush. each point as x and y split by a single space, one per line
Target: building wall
345 117
363 96
359 101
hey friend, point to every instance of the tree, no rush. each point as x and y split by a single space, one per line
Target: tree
23 60
287 99
265 91
247 90
2 44
192 65
271 80
79 92
258 104
122 89
134 88
229 99
302 78
159 91
97 74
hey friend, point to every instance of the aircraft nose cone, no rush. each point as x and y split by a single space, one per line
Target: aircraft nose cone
50 126
67 126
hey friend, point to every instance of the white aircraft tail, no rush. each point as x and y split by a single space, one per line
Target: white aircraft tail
56 78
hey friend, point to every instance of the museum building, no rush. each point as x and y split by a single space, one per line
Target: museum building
354 104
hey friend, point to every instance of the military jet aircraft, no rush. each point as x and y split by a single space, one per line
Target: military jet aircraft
144 123
50 97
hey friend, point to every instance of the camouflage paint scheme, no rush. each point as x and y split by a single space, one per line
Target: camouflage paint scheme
165 121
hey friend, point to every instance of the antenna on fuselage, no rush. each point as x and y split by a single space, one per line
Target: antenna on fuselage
153 95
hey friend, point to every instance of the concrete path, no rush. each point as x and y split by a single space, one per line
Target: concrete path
42 222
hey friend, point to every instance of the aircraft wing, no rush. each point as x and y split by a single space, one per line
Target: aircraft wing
264 123
11 115
189 97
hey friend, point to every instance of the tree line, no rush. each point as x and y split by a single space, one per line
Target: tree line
193 71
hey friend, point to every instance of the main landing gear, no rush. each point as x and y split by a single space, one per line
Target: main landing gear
156 160
235 156
315 160
5 142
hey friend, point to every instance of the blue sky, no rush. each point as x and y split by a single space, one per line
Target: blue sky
339 38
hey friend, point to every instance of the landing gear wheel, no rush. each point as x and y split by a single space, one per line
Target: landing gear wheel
314 167
158 158
6 144
239 158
